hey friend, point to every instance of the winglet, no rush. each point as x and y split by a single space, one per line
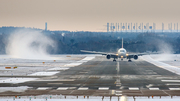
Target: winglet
122 42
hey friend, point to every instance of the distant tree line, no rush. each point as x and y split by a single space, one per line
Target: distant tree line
72 42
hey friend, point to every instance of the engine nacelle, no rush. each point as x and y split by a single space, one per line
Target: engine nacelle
108 56
135 57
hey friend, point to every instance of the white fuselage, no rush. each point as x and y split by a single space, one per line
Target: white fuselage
122 53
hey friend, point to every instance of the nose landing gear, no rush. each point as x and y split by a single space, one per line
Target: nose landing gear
129 60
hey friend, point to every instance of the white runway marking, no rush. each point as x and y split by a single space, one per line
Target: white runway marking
42 88
62 88
118 94
172 84
17 80
170 80
71 88
118 68
103 88
118 91
83 88
118 81
174 88
133 88
153 88
43 73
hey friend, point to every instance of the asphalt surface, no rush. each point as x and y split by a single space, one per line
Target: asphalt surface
103 77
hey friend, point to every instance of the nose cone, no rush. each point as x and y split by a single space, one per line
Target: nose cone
122 50
122 53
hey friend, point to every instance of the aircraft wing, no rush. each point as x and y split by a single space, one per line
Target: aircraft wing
140 54
103 53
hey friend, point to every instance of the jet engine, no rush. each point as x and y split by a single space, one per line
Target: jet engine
108 56
135 57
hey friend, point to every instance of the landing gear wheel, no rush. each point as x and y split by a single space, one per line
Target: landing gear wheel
129 61
114 60
121 59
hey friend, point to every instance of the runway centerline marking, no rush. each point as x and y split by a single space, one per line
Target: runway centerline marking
118 81
118 67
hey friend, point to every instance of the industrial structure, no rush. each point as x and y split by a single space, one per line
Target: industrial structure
45 26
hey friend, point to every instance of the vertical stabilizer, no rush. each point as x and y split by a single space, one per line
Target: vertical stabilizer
122 42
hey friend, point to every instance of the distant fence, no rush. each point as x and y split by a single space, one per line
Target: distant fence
141 27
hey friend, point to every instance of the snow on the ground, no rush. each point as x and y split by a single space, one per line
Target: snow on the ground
73 64
43 73
171 59
29 66
165 61
58 68
88 58
14 89
16 80
37 67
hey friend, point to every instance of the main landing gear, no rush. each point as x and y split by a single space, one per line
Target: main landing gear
114 60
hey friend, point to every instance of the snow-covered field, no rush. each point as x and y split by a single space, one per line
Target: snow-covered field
37 67
170 62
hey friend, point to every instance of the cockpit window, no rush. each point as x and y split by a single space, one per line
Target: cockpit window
122 51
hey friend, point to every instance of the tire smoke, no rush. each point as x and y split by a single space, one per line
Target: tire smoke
29 44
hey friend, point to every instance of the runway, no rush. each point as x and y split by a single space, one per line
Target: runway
97 76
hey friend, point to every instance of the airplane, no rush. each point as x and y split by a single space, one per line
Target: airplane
121 53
